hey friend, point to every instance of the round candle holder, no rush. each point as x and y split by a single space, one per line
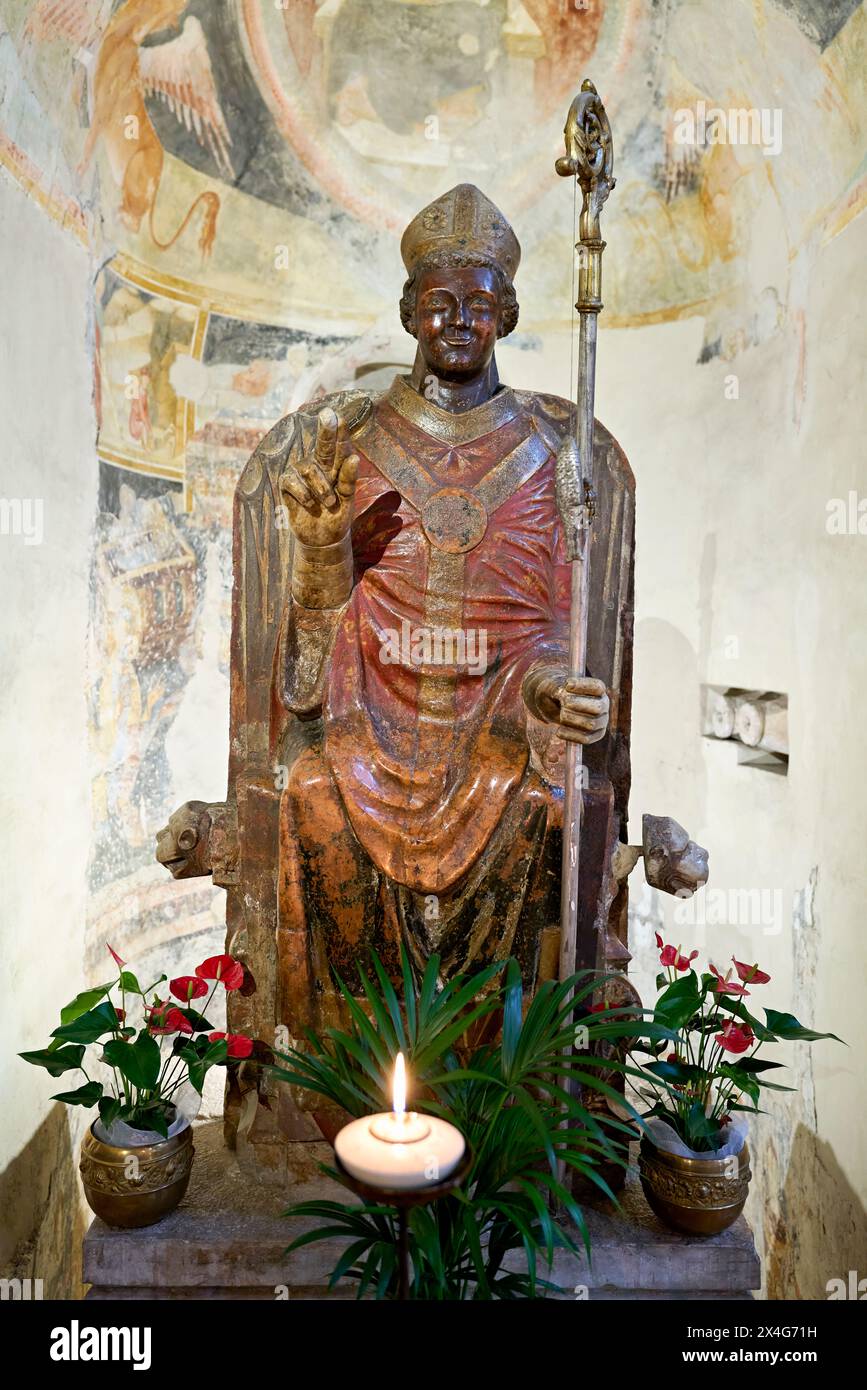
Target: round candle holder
403 1199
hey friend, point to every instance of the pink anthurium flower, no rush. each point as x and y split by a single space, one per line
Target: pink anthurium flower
226 969
115 957
670 955
726 986
751 973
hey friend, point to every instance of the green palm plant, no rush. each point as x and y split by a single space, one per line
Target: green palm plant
518 1100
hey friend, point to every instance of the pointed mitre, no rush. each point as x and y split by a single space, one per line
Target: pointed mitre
463 221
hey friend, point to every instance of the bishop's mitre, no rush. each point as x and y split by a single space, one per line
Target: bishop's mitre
463 221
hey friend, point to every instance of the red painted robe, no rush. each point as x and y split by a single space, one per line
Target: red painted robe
426 755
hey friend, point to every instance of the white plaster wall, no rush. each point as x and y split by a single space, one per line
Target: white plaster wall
47 453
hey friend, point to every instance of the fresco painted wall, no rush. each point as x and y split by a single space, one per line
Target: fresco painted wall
239 172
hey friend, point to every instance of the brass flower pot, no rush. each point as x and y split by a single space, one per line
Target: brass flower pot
698 1196
135 1185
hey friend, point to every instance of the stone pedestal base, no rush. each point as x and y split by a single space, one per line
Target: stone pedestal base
227 1240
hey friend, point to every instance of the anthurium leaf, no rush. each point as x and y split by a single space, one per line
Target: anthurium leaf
129 983
699 1128
149 1117
675 1071
199 1022
786 1026
677 1004
89 1026
109 1110
83 1002
756 1064
742 1079
85 1095
56 1062
198 1065
138 1061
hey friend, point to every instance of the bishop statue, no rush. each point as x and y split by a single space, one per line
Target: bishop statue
401 692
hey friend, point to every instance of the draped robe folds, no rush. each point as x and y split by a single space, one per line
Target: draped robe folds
421 814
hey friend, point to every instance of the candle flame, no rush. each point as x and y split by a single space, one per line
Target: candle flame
398 1090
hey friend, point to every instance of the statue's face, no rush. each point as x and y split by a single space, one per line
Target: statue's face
457 319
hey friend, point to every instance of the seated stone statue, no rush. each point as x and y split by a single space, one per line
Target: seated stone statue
401 692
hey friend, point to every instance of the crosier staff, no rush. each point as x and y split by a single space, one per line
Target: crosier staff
589 159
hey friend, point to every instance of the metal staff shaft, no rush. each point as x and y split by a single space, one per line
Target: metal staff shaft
580 583
590 159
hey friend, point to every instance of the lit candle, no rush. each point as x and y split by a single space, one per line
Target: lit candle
399 1149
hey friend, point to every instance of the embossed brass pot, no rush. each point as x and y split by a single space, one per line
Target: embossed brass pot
135 1185
699 1196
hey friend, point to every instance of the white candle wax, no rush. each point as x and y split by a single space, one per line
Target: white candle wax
390 1163
398 1150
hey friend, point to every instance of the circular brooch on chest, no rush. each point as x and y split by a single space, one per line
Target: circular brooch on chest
454 520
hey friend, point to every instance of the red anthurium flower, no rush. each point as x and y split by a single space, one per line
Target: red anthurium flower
596 1008
670 955
187 987
228 971
167 1018
751 973
115 957
121 1014
736 1037
726 986
237 1044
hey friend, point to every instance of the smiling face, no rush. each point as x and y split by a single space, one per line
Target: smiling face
458 318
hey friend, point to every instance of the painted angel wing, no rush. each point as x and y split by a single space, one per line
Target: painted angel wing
180 73
79 22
